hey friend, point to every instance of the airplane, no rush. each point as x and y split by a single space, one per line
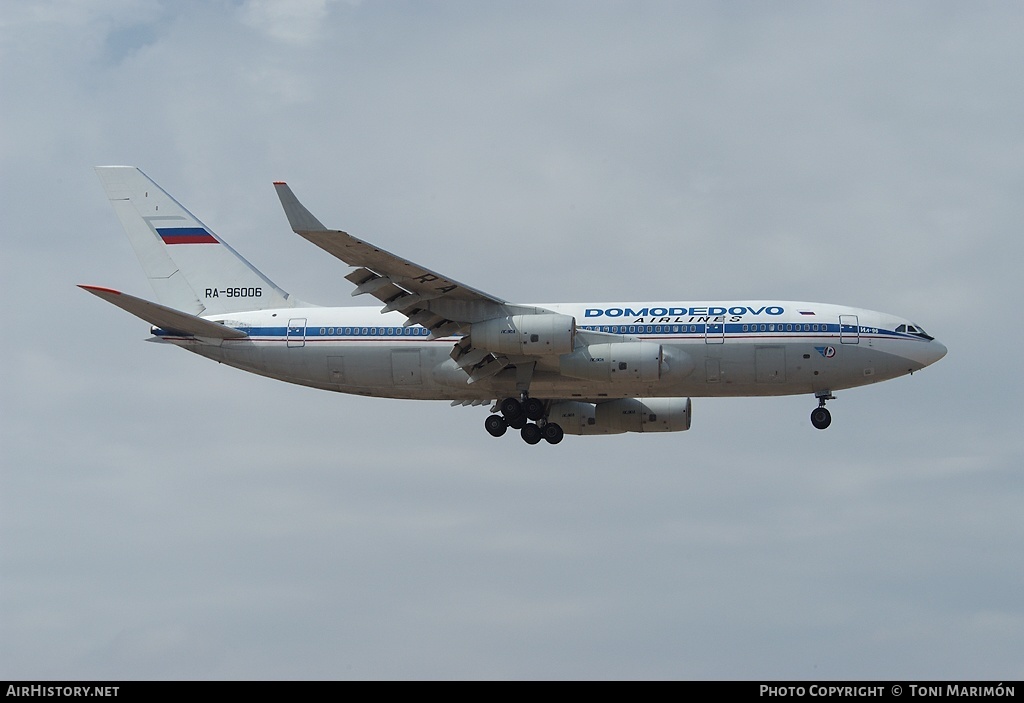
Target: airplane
546 370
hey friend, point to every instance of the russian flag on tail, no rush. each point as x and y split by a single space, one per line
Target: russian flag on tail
185 235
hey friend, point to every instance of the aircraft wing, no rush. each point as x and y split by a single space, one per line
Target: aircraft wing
425 297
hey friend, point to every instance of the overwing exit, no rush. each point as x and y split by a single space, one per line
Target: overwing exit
545 369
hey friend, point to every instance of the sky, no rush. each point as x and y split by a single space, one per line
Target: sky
165 517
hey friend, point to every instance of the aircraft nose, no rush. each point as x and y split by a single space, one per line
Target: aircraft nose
936 350
930 353
921 355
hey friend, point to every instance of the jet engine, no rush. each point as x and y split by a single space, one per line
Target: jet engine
621 362
623 415
531 335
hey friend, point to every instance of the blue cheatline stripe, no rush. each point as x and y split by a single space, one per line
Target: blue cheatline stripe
331 332
185 235
693 331
802 328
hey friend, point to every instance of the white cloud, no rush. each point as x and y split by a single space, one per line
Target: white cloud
296 22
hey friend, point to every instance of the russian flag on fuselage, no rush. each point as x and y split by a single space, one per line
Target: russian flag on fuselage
185 235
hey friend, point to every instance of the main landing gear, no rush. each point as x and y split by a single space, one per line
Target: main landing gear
820 416
527 416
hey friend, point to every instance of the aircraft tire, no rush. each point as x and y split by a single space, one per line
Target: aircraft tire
531 433
511 408
821 418
533 408
516 423
495 425
553 433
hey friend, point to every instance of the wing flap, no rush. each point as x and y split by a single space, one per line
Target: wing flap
490 367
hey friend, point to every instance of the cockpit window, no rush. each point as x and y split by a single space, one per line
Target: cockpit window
914 330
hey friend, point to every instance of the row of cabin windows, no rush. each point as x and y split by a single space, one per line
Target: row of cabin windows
683 329
376 331
612 329
789 328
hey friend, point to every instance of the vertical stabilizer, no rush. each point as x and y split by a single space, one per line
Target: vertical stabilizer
189 267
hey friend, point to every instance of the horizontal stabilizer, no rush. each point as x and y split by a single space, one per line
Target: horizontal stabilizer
165 318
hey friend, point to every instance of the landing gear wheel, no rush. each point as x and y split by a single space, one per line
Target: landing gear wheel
533 408
821 418
553 433
516 423
495 425
531 433
511 408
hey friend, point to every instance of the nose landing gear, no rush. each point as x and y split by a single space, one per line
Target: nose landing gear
820 416
518 415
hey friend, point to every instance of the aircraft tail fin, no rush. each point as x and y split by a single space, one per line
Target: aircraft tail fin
189 267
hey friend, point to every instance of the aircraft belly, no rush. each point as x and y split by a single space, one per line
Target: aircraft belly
426 371
384 370
241 354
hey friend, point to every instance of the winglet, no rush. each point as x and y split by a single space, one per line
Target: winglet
300 219
164 317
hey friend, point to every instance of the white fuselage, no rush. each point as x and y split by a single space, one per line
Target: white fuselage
740 348
594 368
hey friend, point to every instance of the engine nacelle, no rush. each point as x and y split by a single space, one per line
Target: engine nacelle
531 335
649 415
575 417
624 415
622 362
